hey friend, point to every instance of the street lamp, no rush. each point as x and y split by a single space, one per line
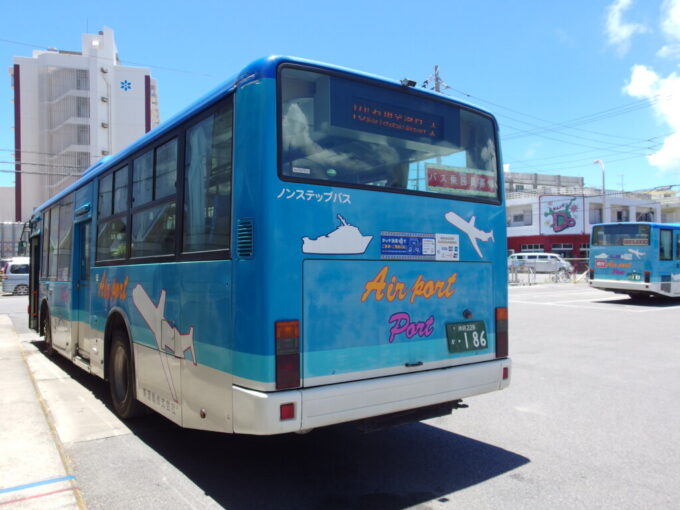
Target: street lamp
604 192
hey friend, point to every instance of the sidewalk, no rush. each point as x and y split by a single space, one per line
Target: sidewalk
34 472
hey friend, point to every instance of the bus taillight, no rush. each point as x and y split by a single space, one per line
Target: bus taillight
287 354
648 276
501 332
591 274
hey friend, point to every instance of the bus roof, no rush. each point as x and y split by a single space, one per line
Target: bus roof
262 68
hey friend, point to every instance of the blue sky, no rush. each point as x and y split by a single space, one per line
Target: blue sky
569 81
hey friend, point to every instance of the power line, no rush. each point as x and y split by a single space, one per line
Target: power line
32 172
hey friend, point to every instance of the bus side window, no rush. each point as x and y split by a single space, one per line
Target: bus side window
665 244
207 191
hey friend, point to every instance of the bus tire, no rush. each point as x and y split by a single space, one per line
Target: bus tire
48 349
122 377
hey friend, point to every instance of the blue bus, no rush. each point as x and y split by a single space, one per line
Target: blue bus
304 246
639 259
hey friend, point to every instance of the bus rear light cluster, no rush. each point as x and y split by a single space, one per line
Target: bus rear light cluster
648 275
501 332
287 337
591 274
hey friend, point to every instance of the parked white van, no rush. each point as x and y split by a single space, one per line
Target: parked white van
15 277
540 262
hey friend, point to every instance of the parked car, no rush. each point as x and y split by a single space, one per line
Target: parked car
15 276
540 262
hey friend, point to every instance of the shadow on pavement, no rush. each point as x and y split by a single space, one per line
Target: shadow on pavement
332 468
647 302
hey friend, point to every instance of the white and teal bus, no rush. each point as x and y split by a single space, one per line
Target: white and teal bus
639 259
305 246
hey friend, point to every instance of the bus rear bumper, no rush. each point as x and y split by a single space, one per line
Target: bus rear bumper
623 286
258 413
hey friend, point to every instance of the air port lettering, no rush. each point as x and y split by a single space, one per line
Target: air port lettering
113 289
393 289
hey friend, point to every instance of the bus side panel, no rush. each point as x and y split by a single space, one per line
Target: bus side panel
255 287
178 317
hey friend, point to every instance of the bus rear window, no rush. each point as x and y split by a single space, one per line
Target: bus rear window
345 132
621 235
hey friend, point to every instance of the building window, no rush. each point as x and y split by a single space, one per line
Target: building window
642 215
532 247
83 107
595 214
623 214
82 79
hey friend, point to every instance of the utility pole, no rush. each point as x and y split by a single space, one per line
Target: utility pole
437 85
604 190
436 81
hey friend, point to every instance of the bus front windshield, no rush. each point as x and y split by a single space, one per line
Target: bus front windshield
347 132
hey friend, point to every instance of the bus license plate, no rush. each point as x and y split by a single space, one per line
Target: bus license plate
466 336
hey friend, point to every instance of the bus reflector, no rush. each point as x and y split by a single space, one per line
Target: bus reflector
287 411
501 332
287 354
647 276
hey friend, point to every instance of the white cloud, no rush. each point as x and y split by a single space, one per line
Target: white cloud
664 95
619 32
670 25
670 15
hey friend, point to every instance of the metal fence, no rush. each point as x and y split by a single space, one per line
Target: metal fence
520 274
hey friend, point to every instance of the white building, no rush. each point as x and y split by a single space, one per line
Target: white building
70 109
562 223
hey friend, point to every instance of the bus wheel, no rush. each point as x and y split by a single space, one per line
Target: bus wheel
49 348
121 378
